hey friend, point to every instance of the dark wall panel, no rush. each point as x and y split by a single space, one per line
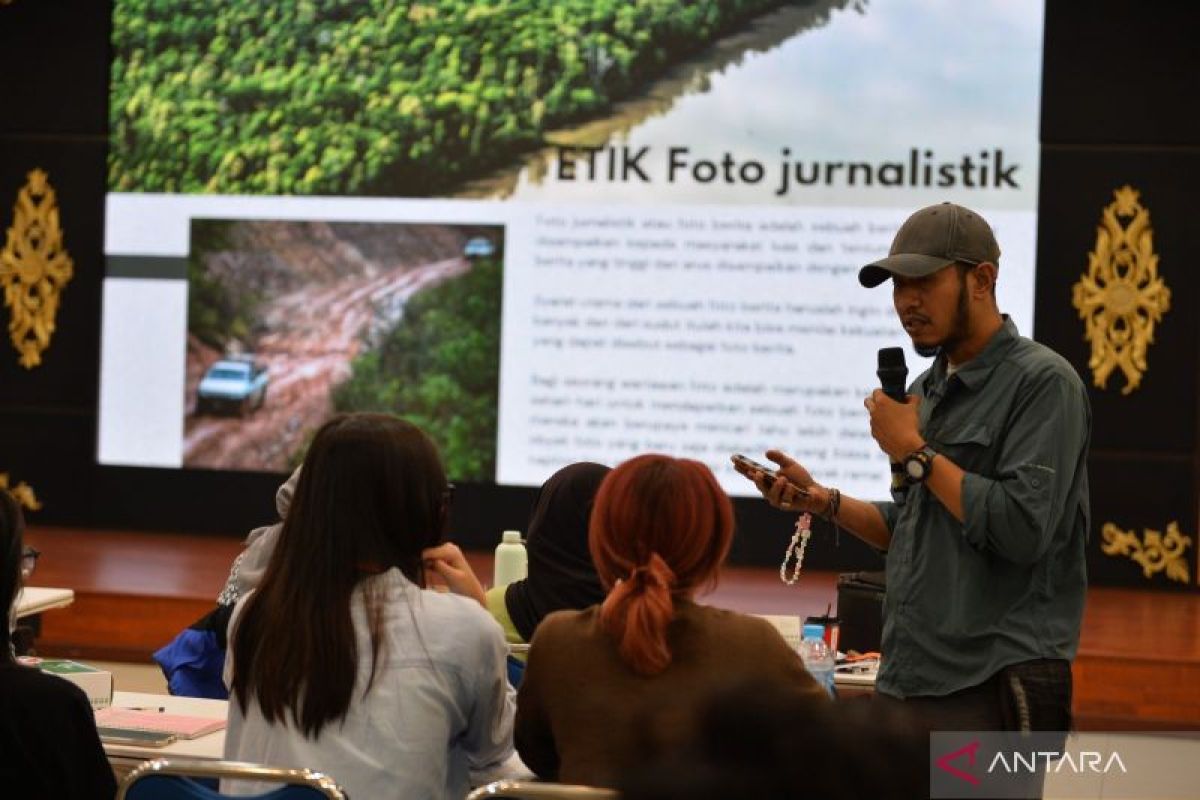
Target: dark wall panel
52 453
1077 184
1137 495
1119 106
69 373
1120 82
1121 73
54 63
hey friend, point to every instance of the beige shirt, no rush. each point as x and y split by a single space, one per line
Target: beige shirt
583 716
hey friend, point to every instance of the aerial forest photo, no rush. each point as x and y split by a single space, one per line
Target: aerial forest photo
291 321
375 97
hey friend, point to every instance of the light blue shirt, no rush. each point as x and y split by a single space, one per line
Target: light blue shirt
440 707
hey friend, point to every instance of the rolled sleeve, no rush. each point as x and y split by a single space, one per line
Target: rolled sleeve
889 510
1015 514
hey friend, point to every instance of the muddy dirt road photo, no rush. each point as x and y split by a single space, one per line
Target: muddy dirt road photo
308 339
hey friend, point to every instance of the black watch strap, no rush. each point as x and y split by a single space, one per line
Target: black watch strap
919 464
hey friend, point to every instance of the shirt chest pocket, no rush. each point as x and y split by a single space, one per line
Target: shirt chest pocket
969 445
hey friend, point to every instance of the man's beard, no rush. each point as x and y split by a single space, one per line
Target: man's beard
958 331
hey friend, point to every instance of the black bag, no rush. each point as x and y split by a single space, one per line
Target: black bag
860 609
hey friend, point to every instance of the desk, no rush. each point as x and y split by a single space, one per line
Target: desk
36 599
125 757
852 684
210 747
847 683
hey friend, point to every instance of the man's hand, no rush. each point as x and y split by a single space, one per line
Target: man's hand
795 490
448 561
894 425
788 492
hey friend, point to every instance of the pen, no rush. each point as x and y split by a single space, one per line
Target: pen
159 709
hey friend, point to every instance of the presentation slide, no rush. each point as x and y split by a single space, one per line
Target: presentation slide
544 232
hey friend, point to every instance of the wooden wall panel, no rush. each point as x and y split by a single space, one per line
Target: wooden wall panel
104 627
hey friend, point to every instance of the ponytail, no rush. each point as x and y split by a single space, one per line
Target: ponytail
660 527
636 614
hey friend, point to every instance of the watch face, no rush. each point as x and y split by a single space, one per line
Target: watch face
915 468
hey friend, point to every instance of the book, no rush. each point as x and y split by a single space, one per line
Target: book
97 684
135 737
182 725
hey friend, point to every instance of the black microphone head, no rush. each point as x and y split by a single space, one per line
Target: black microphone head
892 358
893 372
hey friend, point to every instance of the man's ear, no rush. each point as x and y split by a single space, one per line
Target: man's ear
985 278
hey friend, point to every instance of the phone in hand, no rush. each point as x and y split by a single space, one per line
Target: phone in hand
746 465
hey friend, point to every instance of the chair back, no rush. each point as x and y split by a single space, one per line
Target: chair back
540 790
171 779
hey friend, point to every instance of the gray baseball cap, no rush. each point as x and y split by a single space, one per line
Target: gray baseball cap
932 238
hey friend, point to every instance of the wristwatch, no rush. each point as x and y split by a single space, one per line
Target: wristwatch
918 464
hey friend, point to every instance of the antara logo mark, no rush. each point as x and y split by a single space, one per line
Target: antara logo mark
969 751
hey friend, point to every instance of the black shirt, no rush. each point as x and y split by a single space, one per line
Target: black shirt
49 747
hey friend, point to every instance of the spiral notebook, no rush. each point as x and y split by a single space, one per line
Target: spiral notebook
182 725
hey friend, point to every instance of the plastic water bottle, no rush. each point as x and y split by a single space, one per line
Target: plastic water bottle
512 563
818 658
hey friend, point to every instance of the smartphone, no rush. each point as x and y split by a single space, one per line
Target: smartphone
134 736
745 465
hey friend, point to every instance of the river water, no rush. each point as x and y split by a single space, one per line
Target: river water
833 80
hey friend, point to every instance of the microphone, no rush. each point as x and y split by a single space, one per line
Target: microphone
893 373
893 379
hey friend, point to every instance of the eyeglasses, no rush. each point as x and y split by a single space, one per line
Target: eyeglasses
29 559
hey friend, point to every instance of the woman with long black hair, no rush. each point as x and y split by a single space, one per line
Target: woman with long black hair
340 660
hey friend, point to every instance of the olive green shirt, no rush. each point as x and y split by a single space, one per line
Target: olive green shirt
966 599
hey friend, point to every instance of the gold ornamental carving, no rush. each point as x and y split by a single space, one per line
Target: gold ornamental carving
1121 297
1154 551
22 492
34 268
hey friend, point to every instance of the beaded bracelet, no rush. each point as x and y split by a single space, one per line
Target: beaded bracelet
831 513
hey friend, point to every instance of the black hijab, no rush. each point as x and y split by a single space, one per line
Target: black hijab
561 574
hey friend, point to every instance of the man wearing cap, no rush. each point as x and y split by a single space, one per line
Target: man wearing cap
985 547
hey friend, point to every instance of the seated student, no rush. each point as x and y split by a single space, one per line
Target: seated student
609 687
194 660
561 573
48 742
248 568
340 660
